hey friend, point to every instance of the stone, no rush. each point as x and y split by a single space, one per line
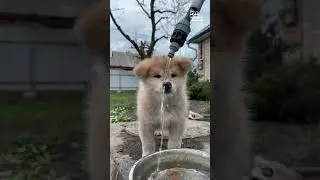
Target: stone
125 145
272 170
193 129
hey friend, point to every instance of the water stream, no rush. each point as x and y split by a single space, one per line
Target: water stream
179 174
172 173
166 71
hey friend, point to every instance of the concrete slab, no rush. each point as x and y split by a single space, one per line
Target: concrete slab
272 170
125 148
193 129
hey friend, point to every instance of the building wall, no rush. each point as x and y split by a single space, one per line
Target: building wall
205 55
44 57
306 32
123 80
311 28
294 35
62 8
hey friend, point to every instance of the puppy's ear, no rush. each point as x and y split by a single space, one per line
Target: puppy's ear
184 64
91 27
142 69
234 19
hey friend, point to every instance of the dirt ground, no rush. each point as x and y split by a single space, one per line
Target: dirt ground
292 145
132 145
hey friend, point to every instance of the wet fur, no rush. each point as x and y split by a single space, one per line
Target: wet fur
97 124
232 21
92 28
149 101
231 142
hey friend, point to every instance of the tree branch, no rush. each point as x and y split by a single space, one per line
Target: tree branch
152 16
165 11
153 43
153 28
117 9
162 37
144 10
135 45
161 19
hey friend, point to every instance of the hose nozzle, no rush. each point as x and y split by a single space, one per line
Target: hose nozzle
182 29
179 36
174 47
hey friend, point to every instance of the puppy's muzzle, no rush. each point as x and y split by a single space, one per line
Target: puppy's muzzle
167 86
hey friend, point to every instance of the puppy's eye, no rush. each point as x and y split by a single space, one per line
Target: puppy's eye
173 75
157 76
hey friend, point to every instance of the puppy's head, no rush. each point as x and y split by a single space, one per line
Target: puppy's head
92 28
152 73
233 20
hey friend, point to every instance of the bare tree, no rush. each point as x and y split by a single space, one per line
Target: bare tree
158 17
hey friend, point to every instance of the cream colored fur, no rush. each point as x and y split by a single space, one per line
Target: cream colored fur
232 21
231 142
149 101
92 27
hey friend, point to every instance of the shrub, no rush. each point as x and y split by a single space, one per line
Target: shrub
198 90
290 93
278 91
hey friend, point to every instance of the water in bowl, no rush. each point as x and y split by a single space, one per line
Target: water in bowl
162 111
173 173
178 174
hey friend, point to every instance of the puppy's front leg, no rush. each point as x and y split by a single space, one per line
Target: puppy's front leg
146 134
175 135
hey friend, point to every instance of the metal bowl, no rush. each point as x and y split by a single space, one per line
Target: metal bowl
171 158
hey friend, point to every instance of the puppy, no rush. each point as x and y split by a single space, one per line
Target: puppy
154 81
92 27
232 22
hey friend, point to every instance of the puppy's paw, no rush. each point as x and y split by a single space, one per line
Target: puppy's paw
158 133
146 153
91 28
234 19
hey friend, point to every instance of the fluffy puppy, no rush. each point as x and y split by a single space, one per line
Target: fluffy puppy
231 152
154 81
233 20
92 27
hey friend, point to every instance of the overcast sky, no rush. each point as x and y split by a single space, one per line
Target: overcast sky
135 23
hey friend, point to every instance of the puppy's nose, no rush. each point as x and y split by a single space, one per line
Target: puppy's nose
167 87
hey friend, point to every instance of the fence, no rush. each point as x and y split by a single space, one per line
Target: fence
36 58
123 80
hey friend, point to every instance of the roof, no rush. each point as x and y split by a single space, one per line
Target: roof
56 8
123 60
201 35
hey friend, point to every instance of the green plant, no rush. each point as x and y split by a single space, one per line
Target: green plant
30 159
198 90
279 91
122 106
287 94
264 53
123 112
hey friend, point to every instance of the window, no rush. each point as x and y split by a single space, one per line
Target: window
290 15
200 63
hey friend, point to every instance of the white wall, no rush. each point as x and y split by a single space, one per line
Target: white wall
206 60
62 8
42 55
123 80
